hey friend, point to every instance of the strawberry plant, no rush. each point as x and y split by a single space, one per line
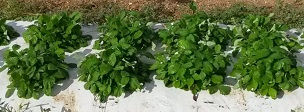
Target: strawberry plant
33 71
117 69
194 58
59 30
266 62
6 33
113 74
126 31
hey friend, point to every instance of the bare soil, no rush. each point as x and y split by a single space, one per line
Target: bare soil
169 7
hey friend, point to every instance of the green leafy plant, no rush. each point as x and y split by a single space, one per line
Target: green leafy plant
56 31
266 64
6 33
33 71
108 76
194 58
117 69
125 31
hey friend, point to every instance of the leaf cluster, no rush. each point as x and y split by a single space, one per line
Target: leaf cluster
125 31
108 76
266 64
6 33
194 58
33 71
117 69
39 67
57 31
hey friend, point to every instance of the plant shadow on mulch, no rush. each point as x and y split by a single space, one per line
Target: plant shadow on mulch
148 86
91 30
76 58
73 58
19 28
1 56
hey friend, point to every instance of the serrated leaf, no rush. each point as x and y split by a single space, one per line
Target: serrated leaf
93 88
13 60
197 77
104 69
300 83
184 44
187 65
256 75
217 79
59 51
278 76
181 72
212 90
246 79
163 34
173 68
118 68
253 85
262 53
276 56
155 66
217 48
52 67
118 91
137 34
22 90
272 92
224 90
9 93
277 65
124 81
287 61
190 82
87 86
177 84
253 36
35 95
264 90
97 44
207 67
33 61
134 84
112 59
235 73
285 85
16 47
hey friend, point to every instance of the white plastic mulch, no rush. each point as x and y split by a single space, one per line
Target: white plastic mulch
71 96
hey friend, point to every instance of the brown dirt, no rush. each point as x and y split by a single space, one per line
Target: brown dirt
161 8
170 7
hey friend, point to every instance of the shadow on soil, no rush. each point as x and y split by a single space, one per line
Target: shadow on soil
182 1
